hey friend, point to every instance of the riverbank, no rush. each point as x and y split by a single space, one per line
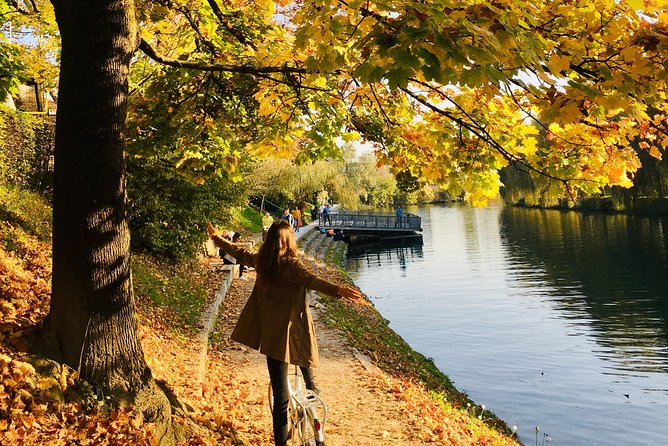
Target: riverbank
639 206
222 389
367 373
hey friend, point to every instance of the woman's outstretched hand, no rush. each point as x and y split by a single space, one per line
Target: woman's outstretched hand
349 293
213 231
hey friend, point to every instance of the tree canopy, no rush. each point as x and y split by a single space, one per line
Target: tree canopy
448 91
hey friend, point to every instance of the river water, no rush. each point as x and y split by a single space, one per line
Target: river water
550 318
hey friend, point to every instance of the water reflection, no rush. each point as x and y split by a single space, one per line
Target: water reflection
610 273
550 318
399 250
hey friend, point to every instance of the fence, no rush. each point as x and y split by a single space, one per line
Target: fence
371 221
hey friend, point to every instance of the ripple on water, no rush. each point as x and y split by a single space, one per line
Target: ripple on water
549 318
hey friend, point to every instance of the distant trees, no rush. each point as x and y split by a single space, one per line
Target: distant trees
351 182
376 186
29 46
649 182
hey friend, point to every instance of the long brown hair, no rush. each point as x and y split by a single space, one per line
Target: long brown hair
279 246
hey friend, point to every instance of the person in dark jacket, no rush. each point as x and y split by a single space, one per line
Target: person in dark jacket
227 258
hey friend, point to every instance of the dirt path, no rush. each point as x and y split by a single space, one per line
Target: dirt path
366 406
361 409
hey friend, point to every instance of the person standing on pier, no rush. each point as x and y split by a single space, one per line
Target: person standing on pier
400 215
326 218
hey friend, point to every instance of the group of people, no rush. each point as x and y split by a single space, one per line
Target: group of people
276 319
294 219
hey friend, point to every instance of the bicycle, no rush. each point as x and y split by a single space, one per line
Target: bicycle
307 412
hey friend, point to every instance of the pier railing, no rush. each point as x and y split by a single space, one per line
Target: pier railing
371 220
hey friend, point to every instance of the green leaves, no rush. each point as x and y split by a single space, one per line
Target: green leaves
12 69
447 90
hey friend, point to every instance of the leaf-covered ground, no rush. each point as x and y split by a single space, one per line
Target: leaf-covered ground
41 403
40 408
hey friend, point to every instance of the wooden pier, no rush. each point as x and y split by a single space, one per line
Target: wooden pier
376 224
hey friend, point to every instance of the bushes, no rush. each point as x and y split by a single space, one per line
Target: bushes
26 149
17 146
27 210
168 212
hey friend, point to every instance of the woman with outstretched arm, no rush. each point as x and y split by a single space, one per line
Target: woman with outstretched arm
276 320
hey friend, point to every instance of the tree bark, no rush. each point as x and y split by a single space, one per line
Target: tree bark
92 305
91 324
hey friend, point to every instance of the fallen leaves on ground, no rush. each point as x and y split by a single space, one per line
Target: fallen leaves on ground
34 409
25 283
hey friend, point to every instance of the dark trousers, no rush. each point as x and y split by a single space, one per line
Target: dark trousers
278 374
227 262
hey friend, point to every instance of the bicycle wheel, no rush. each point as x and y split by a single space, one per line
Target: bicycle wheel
307 429
305 419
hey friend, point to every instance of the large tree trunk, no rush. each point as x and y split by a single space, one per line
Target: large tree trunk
92 306
91 323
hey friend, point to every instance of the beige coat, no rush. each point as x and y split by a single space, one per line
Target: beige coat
276 320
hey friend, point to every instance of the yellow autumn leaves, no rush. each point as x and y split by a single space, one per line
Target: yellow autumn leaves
459 89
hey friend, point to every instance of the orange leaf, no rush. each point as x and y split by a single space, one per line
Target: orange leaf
655 152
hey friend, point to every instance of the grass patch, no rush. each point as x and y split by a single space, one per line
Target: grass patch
247 219
27 210
182 287
336 254
339 255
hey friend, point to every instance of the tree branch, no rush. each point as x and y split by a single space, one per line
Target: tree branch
147 49
380 106
538 121
483 136
17 7
223 21
195 27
